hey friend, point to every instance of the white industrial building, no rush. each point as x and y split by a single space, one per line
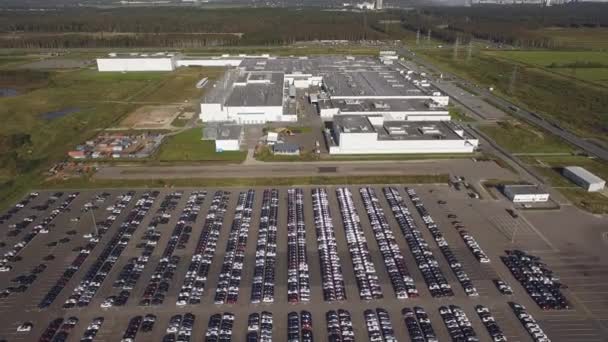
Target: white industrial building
583 178
525 193
356 134
249 98
227 137
138 62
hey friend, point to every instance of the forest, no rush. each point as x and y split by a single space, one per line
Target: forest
513 25
182 28
175 27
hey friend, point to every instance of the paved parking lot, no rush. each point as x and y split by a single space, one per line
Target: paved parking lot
492 227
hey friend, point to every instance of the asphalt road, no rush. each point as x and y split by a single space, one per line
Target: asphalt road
472 169
521 113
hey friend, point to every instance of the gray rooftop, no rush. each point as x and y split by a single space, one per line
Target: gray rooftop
416 130
285 147
353 124
584 174
388 105
523 189
213 131
258 94
229 132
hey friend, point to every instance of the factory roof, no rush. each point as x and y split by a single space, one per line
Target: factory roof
213 131
353 124
229 132
381 82
141 55
285 148
258 94
584 174
414 130
524 189
385 105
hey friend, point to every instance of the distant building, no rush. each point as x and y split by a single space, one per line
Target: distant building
286 149
522 193
584 178
125 62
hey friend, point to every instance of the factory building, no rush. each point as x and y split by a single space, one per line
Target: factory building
249 98
584 178
390 109
227 137
138 62
356 134
525 193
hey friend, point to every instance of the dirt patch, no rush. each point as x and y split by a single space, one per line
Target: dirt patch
151 117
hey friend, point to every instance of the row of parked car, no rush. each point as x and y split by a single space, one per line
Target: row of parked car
490 323
131 272
425 260
102 227
401 280
365 272
259 327
194 282
458 324
232 267
87 288
469 239
40 228
529 323
538 280
299 326
418 325
92 329
331 270
298 276
58 330
219 328
180 328
162 277
339 326
23 281
262 287
18 227
18 207
379 326
453 262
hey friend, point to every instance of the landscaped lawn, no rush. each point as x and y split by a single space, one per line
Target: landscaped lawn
188 146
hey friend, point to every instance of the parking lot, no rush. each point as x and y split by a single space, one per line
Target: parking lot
161 264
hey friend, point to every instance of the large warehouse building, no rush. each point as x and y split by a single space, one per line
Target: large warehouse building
355 134
248 98
584 178
126 62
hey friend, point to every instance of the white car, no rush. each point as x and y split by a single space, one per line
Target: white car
25 327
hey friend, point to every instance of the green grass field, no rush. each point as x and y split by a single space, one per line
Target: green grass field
518 137
85 183
29 144
187 146
589 66
577 38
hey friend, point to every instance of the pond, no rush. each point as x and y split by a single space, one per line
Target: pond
8 92
59 113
